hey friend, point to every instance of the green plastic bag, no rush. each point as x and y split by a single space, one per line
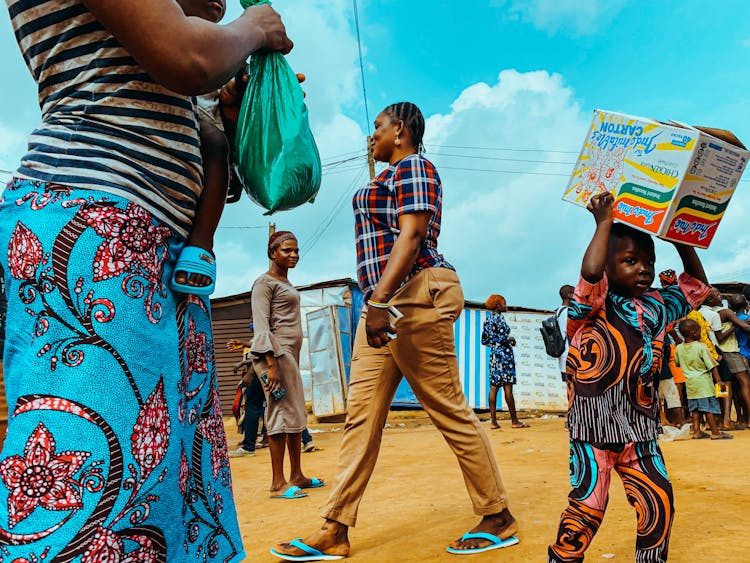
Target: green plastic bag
275 151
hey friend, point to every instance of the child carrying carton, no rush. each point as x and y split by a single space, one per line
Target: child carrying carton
668 179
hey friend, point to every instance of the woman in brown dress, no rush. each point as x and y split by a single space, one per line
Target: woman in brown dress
276 347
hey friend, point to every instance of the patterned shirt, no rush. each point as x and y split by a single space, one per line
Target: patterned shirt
411 185
106 125
615 355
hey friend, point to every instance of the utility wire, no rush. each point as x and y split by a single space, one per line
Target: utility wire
342 170
342 155
361 65
500 149
521 172
501 158
328 219
345 160
332 214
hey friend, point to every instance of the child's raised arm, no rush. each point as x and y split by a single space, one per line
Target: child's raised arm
691 264
595 258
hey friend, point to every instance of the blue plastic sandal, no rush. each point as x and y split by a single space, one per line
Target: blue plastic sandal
497 543
195 260
291 492
315 483
311 554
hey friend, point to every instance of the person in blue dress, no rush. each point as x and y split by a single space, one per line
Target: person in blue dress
496 336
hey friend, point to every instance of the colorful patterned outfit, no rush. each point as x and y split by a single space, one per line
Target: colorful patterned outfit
115 448
411 185
496 335
613 362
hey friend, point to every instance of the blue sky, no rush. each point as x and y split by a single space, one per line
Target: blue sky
494 74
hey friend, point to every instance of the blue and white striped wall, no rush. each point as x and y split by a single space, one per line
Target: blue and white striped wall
539 385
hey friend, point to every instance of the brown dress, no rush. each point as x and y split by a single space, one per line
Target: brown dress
277 327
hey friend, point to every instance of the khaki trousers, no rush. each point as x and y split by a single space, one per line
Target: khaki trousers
425 354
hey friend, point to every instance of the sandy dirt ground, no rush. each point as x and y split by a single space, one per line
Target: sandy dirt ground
416 502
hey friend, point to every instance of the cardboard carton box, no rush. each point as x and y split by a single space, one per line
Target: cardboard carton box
669 179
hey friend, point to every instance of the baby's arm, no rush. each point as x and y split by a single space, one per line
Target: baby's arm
215 153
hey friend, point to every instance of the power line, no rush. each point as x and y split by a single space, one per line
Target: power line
503 159
361 64
501 149
345 160
522 172
342 155
328 220
331 216
342 170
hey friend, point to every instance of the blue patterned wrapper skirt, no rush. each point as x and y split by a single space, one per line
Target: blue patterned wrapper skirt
115 448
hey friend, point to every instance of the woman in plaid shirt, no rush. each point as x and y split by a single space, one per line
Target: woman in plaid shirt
397 218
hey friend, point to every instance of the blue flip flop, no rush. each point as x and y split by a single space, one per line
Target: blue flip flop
291 492
497 543
315 484
195 260
312 553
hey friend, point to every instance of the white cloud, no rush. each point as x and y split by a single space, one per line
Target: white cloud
574 17
511 233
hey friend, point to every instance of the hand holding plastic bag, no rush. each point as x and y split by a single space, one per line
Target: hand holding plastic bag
275 151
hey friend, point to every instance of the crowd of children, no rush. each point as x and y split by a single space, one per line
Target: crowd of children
706 363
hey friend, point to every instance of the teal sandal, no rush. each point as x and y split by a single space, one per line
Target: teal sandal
195 260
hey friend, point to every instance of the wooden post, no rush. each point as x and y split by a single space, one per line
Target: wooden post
271 231
370 158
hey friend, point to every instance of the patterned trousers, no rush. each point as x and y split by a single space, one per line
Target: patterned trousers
641 467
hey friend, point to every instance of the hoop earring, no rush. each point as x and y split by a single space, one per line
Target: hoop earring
397 142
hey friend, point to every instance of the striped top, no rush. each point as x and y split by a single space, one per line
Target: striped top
106 125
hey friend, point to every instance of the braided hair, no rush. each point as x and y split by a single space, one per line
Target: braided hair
413 120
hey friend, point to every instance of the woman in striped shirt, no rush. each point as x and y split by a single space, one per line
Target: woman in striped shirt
115 447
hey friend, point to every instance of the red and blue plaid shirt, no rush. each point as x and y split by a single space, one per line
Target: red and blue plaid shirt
411 185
